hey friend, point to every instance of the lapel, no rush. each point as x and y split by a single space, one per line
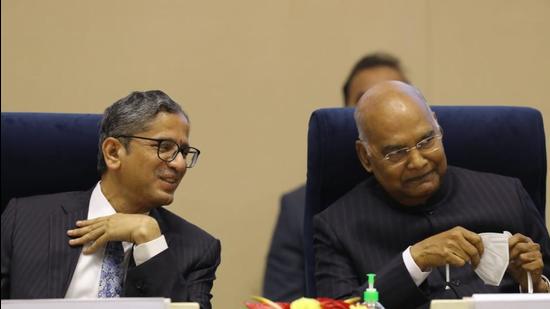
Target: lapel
156 213
62 257
158 216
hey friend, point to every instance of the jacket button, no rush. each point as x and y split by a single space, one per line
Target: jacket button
140 286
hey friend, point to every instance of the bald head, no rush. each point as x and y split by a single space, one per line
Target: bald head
385 104
400 142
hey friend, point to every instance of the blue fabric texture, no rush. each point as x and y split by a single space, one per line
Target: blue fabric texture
497 139
48 153
112 271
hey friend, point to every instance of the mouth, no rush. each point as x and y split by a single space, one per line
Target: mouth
170 180
421 177
170 183
168 186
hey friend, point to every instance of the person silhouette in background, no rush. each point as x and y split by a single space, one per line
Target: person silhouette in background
284 272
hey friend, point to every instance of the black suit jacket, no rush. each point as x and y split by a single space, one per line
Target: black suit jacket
37 261
366 231
284 278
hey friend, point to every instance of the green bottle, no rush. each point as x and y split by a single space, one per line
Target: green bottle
370 296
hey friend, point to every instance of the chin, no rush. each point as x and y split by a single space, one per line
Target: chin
168 200
426 190
163 198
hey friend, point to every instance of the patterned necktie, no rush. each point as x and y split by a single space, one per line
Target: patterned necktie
112 271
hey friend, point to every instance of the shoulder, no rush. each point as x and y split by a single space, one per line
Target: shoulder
293 205
481 188
365 192
58 197
171 223
470 177
46 203
294 197
189 243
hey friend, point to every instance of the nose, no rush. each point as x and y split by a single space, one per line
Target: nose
179 163
416 160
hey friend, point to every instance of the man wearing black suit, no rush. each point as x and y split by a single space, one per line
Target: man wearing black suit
284 278
54 246
416 215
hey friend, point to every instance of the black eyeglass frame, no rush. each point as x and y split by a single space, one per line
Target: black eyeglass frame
183 149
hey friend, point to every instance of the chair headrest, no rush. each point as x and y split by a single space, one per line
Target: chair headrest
497 139
48 153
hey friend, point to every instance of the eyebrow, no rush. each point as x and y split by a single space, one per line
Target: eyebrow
389 148
184 144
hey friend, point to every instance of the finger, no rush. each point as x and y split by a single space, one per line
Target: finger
454 256
516 239
475 240
82 223
91 236
96 245
523 247
471 251
530 255
529 258
534 266
83 230
455 259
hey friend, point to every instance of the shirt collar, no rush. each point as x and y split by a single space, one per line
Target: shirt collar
99 205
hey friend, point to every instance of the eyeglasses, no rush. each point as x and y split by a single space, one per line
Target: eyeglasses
168 150
425 146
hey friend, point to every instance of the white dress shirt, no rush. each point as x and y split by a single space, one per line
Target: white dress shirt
85 280
416 273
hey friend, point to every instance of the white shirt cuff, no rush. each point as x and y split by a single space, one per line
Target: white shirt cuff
416 273
145 251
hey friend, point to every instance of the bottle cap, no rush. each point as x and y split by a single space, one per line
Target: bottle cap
371 294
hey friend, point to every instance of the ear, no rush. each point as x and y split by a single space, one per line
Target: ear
363 156
112 150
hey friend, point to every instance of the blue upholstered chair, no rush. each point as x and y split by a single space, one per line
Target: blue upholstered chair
47 153
504 140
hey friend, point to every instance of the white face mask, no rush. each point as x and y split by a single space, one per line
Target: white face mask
494 260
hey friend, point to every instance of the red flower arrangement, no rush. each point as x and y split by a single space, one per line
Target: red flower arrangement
305 303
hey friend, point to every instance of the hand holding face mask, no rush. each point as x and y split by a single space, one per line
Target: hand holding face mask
495 257
526 261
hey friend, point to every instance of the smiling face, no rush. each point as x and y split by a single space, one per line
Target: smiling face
392 120
145 179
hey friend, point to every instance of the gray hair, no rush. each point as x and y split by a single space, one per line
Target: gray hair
132 114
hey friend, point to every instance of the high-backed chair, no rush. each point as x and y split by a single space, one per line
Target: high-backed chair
503 140
47 153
